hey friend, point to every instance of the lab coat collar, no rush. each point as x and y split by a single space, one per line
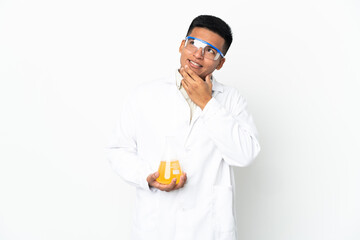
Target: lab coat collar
217 87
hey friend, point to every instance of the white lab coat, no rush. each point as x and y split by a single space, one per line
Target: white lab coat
219 137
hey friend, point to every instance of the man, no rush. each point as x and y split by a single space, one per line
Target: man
213 129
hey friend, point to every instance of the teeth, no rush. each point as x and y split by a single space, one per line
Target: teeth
195 63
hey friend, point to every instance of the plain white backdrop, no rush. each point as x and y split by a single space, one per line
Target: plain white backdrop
65 67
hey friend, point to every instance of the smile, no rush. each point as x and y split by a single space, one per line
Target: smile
194 64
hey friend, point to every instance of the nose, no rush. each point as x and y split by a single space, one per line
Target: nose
198 53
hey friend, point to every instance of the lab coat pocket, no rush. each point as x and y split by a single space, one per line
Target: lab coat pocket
223 215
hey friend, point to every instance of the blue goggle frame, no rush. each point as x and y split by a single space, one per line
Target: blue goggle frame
222 55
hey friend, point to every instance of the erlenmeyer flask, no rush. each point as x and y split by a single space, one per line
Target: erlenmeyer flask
169 165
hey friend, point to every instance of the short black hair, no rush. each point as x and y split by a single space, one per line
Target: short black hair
215 25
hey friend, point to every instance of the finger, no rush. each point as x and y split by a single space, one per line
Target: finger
185 76
185 84
185 73
152 177
159 186
162 187
192 74
171 186
185 176
208 80
188 86
182 181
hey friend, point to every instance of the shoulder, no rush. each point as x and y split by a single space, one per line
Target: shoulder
230 97
151 85
148 91
227 91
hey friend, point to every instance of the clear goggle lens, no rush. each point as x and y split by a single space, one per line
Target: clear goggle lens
209 51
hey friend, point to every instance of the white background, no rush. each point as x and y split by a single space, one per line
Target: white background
65 67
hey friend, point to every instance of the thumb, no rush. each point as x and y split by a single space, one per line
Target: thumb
152 177
208 80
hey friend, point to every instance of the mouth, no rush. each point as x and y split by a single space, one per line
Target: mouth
194 64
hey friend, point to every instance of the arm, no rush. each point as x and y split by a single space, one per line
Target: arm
232 129
233 132
122 152
124 158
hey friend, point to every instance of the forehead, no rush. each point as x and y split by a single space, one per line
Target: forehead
208 36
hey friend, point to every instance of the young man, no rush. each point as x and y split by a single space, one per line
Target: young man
214 132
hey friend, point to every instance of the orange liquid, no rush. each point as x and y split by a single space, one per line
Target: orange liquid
168 171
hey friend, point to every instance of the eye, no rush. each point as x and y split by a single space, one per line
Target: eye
211 50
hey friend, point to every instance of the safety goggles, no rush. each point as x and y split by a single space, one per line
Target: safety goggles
208 51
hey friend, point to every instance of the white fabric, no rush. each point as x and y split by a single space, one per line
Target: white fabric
219 137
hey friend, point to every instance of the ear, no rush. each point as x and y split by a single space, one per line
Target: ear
182 45
221 63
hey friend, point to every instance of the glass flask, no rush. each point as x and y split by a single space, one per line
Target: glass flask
169 165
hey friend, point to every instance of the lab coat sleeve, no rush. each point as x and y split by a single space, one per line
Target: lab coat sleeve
232 130
122 152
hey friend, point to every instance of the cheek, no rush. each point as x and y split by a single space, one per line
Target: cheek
183 56
211 66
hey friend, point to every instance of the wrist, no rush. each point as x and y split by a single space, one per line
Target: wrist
205 102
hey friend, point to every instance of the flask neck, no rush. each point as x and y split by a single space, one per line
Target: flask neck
170 151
